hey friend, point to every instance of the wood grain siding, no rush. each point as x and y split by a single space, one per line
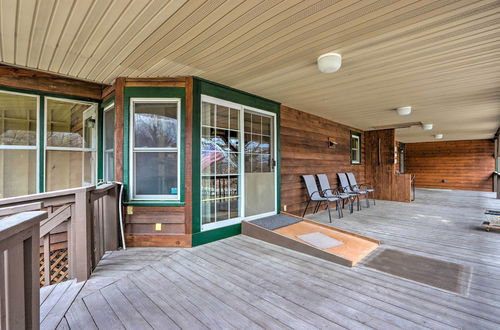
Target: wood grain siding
379 157
188 153
48 83
457 165
175 220
304 150
381 166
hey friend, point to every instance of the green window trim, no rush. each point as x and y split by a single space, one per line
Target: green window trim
153 92
100 134
360 153
41 126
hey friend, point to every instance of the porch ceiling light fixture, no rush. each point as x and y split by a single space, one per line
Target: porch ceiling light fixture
329 62
404 111
427 127
438 136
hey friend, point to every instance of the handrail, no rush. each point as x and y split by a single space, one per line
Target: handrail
87 214
19 264
45 195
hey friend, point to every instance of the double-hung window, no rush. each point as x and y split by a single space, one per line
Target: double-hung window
70 143
355 148
155 139
18 144
109 142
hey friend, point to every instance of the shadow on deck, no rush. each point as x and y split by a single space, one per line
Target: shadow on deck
241 282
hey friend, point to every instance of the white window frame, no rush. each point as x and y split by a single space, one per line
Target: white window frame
358 150
28 147
241 194
105 148
132 194
82 149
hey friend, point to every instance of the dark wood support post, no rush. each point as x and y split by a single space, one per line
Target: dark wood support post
119 122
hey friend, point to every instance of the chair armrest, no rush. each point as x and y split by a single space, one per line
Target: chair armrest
334 192
315 192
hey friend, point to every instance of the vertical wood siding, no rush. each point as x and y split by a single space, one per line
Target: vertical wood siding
304 150
458 165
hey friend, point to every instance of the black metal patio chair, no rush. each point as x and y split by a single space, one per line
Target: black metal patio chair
359 188
346 188
327 191
316 196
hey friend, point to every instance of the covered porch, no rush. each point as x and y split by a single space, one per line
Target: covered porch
140 139
242 282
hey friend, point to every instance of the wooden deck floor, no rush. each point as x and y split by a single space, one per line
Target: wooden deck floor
244 283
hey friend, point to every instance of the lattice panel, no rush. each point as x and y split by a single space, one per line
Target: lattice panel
58 267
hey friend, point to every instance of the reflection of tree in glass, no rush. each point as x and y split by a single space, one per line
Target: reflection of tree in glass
152 130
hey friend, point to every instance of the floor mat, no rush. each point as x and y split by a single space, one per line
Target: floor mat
319 240
275 221
437 273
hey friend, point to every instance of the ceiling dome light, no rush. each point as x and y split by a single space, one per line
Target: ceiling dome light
404 111
438 136
329 62
426 127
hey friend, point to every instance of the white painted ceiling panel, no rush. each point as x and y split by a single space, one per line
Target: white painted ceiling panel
442 57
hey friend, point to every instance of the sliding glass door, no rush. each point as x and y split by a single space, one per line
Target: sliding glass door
260 189
237 163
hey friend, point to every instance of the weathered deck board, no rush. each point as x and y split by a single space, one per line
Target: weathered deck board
241 282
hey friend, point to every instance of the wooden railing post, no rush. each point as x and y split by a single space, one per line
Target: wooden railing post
80 245
19 270
111 220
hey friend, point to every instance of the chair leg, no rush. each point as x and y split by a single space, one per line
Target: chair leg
341 213
305 210
351 205
316 207
367 200
359 205
329 213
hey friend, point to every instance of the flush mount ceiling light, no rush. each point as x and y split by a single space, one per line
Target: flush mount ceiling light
426 127
403 111
329 62
438 136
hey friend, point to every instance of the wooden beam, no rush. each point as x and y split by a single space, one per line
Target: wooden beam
119 122
188 148
48 83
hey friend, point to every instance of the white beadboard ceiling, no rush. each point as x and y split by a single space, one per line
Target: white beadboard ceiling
442 57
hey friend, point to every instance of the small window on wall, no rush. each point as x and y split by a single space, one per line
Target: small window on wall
109 143
355 148
71 143
18 144
155 134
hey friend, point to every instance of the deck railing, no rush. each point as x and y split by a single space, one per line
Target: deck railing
19 258
81 225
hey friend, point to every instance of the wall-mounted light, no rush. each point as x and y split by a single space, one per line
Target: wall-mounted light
331 143
404 111
329 62
438 136
427 127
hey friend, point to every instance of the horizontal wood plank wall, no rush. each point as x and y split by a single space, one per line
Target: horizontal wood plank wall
304 150
48 83
457 165
175 220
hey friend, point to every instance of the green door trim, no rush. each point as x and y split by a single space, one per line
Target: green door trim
205 87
